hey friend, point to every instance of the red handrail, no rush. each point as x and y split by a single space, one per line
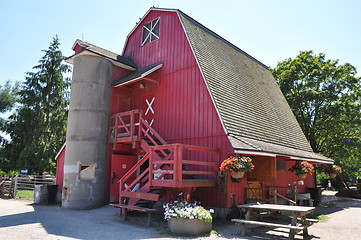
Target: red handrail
131 127
125 123
177 162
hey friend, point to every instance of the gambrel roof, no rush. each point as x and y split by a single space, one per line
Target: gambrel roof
254 112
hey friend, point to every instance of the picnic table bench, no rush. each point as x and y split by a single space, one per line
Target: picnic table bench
125 207
299 222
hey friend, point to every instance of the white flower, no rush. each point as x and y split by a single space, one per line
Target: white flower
185 210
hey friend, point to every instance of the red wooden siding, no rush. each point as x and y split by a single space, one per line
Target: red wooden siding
60 169
286 178
184 110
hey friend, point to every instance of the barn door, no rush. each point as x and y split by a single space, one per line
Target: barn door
254 190
120 165
265 169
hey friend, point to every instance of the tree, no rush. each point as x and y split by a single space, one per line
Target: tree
325 97
38 127
7 97
7 100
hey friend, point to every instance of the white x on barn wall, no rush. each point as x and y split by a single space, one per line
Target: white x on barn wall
149 111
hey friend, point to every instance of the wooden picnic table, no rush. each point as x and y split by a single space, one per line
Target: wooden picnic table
299 222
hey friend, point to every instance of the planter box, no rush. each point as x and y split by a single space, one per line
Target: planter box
189 226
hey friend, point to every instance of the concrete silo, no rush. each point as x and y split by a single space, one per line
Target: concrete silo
86 138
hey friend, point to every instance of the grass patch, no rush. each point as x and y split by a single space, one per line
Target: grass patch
328 205
213 232
319 217
322 218
185 236
25 194
340 200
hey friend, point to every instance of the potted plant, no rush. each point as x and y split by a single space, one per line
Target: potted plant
333 170
237 166
187 218
302 169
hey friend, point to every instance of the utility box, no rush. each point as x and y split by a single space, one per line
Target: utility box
316 195
40 194
52 190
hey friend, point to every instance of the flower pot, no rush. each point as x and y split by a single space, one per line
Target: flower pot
237 177
303 175
332 175
189 226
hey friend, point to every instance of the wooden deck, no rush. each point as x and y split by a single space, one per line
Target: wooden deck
185 183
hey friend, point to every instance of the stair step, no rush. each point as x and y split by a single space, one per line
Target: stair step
136 208
147 140
145 203
141 195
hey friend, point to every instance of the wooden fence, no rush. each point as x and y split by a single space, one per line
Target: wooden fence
7 185
22 186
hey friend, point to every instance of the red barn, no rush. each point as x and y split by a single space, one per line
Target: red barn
182 100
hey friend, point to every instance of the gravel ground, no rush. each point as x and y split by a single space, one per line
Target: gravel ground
21 219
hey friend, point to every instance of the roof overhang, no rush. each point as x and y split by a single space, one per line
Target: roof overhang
140 74
269 154
245 146
87 52
61 149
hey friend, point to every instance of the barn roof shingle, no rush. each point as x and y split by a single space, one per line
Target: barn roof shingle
250 103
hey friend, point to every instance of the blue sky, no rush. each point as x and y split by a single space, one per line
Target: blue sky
269 30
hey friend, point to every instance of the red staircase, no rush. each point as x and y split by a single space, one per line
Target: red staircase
168 167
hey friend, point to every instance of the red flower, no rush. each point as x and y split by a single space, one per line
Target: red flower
237 164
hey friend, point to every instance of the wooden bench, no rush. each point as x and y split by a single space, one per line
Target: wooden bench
267 224
125 207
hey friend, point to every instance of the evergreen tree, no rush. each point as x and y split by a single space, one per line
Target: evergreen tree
38 127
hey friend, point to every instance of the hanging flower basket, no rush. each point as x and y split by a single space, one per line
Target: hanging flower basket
237 177
302 176
237 166
333 170
302 169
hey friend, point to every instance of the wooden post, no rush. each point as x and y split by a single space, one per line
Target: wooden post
247 217
303 221
149 219
294 192
132 125
151 167
15 186
120 198
178 165
140 124
293 223
275 195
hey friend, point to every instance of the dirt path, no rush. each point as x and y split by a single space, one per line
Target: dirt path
23 220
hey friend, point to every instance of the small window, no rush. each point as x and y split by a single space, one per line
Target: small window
86 171
281 165
150 32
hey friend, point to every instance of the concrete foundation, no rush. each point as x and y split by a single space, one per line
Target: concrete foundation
87 134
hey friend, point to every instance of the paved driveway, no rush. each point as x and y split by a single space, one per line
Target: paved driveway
22 220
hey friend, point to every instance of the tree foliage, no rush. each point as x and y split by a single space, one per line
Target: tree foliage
7 101
38 127
325 97
7 97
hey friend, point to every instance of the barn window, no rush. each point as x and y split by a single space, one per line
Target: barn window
86 171
281 165
150 31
